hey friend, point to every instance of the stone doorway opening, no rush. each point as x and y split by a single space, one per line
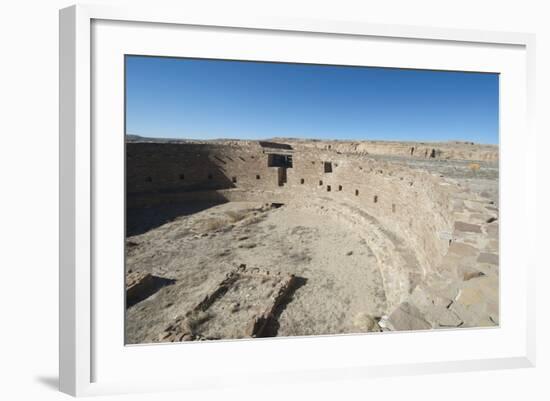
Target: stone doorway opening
281 176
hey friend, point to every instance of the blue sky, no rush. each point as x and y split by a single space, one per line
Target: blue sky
208 99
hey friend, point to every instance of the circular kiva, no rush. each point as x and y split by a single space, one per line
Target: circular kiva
384 236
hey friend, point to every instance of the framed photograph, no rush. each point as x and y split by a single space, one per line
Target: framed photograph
278 199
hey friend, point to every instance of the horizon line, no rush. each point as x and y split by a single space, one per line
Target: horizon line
310 139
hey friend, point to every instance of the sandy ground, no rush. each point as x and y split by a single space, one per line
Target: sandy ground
340 281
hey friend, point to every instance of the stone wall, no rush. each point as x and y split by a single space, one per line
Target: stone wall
420 150
177 167
413 206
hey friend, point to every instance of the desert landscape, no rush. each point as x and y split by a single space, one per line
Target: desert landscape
236 239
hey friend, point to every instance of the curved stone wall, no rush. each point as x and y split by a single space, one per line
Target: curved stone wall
406 211
419 150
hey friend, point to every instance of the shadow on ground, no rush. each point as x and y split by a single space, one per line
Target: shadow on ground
144 292
50 382
272 327
141 220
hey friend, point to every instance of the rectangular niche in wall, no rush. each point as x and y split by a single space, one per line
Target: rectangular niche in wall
277 160
328 167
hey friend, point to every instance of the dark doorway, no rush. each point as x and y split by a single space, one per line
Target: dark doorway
281 176
328 167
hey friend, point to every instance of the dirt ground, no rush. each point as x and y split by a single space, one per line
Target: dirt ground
340 284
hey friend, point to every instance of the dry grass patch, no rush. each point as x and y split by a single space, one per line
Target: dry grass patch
236 215
213 224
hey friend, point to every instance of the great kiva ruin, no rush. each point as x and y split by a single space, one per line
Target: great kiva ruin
233 239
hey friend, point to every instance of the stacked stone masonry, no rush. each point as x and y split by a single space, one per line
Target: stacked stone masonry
440 262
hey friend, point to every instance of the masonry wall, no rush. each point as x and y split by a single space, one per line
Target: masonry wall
178 167
419 150
412 204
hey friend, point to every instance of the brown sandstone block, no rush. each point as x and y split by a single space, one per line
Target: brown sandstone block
467 227
490 258
444 317
407 317
463 250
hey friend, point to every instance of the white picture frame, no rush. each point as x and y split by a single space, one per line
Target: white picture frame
82 319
